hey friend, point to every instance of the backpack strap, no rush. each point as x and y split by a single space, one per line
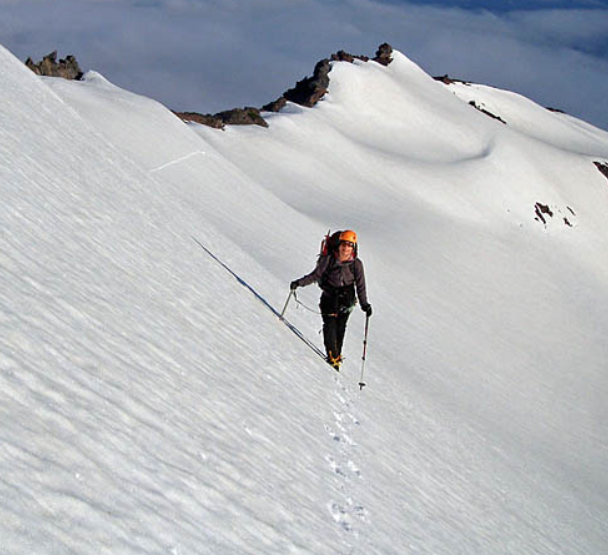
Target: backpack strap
330 264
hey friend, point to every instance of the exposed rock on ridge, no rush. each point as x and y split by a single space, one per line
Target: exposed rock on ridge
486 112
384 55
603 168
237 116
447 80
49 67
310 90
544 213
306 92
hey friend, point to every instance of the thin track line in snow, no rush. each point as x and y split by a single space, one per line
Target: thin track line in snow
178 160
259 297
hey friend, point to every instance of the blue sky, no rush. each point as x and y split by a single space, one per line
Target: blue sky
510 5
211 55
502 6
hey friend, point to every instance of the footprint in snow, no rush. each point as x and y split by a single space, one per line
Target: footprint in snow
335 466
340 516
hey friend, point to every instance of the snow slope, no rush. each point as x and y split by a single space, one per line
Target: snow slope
150 404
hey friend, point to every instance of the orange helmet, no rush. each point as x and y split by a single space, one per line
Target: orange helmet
349 236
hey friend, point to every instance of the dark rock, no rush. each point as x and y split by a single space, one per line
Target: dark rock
342 56
49 67
384 55
603 168
306 92
447 80
310 90
238 116
275 106
542 210
242 116
203 119
486 112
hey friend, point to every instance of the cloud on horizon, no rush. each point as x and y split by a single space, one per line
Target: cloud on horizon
211 55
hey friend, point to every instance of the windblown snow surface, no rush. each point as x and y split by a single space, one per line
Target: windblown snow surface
151 404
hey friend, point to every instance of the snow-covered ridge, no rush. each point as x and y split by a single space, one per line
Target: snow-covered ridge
150 404
306 92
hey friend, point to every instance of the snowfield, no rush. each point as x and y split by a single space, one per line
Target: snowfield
149 403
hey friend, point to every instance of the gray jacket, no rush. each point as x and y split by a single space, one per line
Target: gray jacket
331 274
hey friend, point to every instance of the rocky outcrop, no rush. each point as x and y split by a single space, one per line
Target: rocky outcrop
603 168
384 55
544 213
486 112
306 92
203 119
50 67
275 106
310 90
242 116
342 56
542 210
447 80
238 116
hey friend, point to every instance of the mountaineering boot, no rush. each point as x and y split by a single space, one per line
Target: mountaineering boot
334 362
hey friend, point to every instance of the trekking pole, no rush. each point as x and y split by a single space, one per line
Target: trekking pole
291 294
361 382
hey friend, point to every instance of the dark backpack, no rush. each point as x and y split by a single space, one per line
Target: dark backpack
330 243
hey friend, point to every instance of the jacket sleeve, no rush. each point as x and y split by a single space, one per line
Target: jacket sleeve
360 282
316 274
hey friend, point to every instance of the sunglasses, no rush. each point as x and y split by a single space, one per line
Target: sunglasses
347 243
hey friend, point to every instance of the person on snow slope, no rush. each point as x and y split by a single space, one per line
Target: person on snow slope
339 273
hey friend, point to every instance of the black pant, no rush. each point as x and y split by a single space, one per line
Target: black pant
336 306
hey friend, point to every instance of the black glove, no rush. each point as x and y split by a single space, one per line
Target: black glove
367 308
293 285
